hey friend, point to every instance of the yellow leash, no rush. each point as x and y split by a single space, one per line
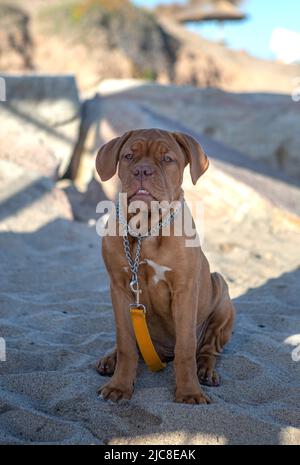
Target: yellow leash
143 338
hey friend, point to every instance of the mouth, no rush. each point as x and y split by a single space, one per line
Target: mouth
142 194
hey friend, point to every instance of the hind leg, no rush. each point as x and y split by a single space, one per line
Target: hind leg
106 365
217 332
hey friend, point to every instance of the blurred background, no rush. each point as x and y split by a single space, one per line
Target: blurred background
75 74
78 73
235 65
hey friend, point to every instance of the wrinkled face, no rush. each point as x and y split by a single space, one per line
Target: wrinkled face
150 163
151 168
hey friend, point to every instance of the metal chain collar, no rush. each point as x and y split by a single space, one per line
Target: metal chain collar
161 224
135 263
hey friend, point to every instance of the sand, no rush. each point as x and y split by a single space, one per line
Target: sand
57 320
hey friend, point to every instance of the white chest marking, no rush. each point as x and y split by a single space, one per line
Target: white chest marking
159 271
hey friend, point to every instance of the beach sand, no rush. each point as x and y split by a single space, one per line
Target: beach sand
57 320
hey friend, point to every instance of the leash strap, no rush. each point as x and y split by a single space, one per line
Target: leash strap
143 338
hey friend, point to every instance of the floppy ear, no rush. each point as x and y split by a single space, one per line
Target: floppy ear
108 156
194 153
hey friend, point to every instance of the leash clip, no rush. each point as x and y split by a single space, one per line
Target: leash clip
137 307
134 286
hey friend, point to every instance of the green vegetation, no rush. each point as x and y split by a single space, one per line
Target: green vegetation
80 18
114 25
108 6
149 74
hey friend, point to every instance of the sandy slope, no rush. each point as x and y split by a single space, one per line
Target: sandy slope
57 320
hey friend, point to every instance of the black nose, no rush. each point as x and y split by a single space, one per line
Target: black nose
143 170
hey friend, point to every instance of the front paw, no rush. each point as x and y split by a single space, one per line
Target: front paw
193 397
111 391
107 364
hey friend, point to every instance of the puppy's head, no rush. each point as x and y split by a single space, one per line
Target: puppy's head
150 163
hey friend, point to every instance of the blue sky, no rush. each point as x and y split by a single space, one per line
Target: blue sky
252 35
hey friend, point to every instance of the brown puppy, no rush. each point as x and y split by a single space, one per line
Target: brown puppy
189 312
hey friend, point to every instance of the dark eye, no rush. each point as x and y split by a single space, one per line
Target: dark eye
167 159
128 156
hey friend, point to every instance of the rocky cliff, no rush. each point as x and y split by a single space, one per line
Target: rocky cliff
98 39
